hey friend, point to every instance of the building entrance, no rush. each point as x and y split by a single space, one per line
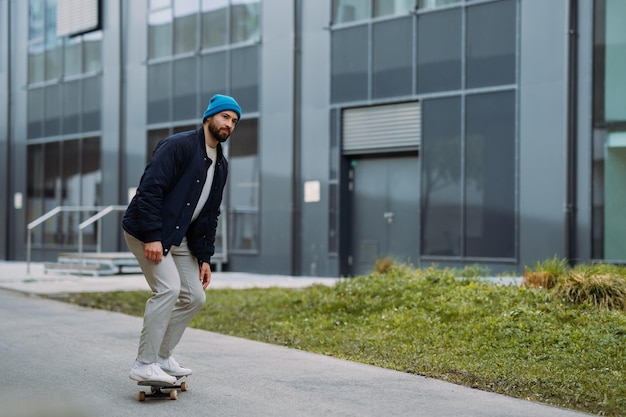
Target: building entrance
385 211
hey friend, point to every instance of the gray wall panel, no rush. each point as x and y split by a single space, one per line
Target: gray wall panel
111 118
19 71
4 128
276 137
134 74
585 127
315 134
134 101
543 111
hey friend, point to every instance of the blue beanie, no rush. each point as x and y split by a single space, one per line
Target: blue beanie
220 103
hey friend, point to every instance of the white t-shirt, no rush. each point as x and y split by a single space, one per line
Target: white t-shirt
206 188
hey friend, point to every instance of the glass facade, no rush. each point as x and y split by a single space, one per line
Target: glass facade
457 60
609 137
445 53
63 173
64 97
198 48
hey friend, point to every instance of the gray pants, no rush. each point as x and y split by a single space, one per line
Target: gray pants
177 296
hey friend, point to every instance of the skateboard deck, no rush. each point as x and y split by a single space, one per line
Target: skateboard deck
159 389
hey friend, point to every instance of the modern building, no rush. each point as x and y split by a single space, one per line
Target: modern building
455 132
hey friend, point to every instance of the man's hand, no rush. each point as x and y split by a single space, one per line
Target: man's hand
205 274
153 251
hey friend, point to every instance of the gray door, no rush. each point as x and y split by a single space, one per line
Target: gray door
385 211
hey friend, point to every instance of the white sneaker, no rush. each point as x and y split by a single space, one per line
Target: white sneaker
150 372
172 367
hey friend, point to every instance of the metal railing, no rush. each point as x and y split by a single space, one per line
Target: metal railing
102 211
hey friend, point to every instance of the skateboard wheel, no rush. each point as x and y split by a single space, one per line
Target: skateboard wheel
142 396
173 394
183 386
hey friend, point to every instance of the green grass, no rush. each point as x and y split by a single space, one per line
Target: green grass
524 342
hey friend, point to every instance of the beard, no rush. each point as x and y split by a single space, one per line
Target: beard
220 134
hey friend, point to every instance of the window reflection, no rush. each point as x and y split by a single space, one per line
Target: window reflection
244 21
73 56
160 33
441 177
490 175
185 25
491 44
92 47
244 188
65 173
214 23
392 7
439 40
429 4
159 4
346 11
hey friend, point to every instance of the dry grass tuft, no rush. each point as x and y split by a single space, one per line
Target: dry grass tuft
600 290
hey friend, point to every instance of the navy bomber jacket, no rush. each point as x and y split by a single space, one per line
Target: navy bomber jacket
169 191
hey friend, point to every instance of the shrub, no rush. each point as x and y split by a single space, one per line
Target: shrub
545 274
584 286
384 265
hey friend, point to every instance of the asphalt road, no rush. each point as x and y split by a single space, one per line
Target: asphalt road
58 359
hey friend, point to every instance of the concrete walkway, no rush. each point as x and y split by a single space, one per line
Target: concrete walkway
64 360
31 279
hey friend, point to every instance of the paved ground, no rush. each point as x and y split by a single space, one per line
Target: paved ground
63 360
32 279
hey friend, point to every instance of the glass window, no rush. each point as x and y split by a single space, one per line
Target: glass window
392 66
243 178
159 4
71 173
185 86
154 137
490 175
92 44
345 11
34 194
439 51
213 76
92 103
53 44
52 125
491 34
52 191
159 92
35 113
245 16
36 48
73 56
53 63
71 107
441 177
614 62
36 62
91 170
91 182
244 80
429 4
349 72
214 23
36 19
185 25
392 7
160 34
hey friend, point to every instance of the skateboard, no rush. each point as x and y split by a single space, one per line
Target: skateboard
160 389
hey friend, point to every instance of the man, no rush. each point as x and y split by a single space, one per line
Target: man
170 227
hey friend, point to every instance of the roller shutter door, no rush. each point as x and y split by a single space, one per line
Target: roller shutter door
389 127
